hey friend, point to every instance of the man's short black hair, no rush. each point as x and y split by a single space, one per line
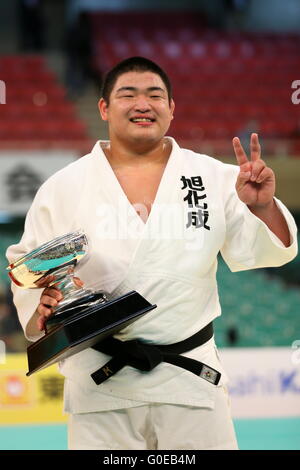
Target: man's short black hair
133 64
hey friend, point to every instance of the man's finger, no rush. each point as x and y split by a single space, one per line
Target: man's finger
239 151
52 292
257 167
78 282
265 174
49 301
44 311
41 322
242 179
254 147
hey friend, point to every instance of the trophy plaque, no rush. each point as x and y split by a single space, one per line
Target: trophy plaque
84 316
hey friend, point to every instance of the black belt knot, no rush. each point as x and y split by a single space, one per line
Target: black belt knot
145 356
133 353
140 355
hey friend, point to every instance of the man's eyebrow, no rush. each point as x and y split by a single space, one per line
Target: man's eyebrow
156 88
132 88
126 88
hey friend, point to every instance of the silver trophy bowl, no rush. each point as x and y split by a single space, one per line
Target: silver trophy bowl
59 257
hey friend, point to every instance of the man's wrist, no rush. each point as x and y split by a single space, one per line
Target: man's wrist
262 209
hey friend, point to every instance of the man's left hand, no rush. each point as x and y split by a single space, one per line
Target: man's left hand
255 184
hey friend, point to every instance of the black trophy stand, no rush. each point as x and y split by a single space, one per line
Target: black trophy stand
85 328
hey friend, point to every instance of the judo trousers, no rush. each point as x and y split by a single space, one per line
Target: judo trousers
155 427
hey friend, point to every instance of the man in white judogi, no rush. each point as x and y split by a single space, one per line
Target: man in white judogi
156 216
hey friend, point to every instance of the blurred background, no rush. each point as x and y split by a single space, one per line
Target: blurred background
235 69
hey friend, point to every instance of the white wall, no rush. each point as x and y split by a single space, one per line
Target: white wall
263 382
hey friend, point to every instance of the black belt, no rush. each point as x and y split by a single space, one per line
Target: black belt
145 356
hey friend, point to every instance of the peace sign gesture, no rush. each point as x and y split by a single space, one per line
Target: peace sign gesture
255 184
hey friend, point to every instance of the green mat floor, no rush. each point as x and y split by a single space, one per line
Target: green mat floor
256 434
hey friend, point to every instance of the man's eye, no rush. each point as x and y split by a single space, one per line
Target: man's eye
155 96
128 96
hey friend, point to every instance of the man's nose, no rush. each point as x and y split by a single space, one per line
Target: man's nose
141 103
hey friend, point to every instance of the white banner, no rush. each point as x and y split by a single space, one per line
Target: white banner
263 382
22 173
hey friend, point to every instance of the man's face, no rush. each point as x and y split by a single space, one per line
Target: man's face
139 110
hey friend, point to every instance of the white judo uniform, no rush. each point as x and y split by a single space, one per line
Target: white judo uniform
171 260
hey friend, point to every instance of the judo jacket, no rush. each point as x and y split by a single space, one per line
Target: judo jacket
171 260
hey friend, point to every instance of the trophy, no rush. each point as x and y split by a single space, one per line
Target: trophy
84 317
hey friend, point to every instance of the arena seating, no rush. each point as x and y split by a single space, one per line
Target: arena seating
37 108
262 311
225 83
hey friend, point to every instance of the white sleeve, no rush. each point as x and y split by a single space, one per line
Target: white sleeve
50 215
38 230
249 243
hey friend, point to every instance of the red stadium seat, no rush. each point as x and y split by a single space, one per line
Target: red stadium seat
36 109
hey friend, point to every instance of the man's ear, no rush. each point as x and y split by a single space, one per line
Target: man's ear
103 108
172 107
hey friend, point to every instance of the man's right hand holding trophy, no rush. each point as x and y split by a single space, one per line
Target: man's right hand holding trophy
50 298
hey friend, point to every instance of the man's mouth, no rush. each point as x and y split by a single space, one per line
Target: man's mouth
144 119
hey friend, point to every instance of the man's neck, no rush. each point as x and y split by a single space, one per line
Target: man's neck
124 156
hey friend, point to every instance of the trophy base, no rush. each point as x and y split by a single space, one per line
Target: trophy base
86 328
75 307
